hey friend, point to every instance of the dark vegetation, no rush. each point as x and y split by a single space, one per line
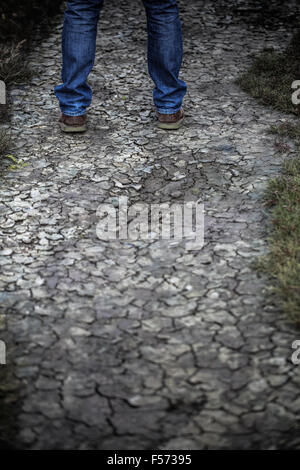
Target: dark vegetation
269 80
20 22
271 75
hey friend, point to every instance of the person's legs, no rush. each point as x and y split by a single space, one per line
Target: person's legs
165 54
78 48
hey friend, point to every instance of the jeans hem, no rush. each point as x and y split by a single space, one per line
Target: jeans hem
168 110
73 113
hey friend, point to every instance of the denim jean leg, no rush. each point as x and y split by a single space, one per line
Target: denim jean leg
165 54
78 51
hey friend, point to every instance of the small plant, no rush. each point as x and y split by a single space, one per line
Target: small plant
13 66
17 164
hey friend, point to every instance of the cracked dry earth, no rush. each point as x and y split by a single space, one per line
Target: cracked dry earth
144 344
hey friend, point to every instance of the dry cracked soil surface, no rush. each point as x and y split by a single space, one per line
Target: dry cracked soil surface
143 344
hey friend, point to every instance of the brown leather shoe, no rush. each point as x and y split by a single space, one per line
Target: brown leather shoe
170 121
72 123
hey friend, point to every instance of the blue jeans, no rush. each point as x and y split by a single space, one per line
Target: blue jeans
79 45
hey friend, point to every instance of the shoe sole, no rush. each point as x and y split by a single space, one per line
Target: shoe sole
170 126
72 129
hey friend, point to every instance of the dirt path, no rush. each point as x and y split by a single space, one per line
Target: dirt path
143 345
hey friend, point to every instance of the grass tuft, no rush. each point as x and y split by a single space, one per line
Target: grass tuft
13 64
282 262
271 75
